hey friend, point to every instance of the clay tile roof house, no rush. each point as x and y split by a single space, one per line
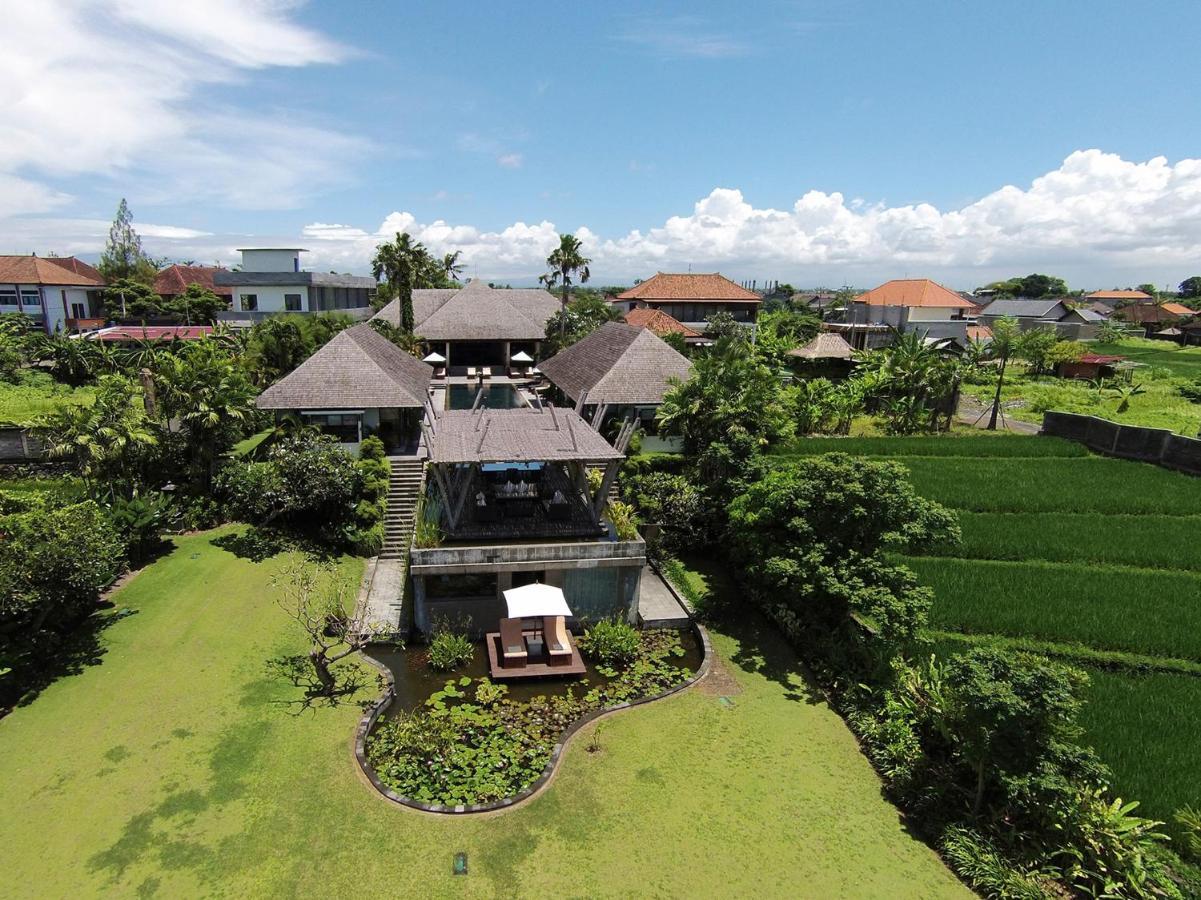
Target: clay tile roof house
1113 298
60 293
1151 314
904 304
916 293
476 325
174 280
660 323
691 299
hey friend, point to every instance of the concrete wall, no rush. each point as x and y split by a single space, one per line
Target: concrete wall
271 297
271 260
1155 445
16 444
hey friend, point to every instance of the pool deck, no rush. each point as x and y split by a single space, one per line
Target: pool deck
658 605
537 664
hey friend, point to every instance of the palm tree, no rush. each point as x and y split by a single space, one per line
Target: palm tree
1005 336
451 267
399 263
565 261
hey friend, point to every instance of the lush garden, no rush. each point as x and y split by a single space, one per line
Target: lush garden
1093 561
175 762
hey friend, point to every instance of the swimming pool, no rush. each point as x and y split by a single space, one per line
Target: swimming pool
496 396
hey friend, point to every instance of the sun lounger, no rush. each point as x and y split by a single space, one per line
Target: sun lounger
440 372
554 636
471 371
512 641
486 372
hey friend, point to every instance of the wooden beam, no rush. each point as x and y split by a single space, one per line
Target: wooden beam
602 494
443 489
463 492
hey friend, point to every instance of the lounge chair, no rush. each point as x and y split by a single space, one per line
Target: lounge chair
554 636
486 372
512 641
471 371
440 372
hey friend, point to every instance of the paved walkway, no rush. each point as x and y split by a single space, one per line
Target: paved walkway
383 594
657 605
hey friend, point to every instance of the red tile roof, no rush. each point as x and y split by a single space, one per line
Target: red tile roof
1148 312
979 333
658 322
174 280
914 292
36 270
78 266
152 333
1099 359
1118 295
700 288
1179 309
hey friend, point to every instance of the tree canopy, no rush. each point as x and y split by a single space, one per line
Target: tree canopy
123 256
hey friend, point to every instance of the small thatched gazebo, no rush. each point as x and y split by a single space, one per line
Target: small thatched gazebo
828 353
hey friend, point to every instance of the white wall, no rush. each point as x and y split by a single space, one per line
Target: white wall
270 260
52 296
932 313
271 297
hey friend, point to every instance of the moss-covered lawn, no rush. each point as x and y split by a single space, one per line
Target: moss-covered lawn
176 767
36 394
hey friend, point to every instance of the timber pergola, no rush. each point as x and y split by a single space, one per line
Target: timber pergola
461 441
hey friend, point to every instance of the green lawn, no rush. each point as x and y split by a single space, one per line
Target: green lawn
176 766
1182 361
35 395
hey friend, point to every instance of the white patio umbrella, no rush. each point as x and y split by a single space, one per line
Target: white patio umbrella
434 357
521 357
532 601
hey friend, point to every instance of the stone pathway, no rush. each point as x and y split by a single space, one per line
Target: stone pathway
657 603
383 593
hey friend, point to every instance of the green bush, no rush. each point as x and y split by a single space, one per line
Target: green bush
372 447
611 642
676 504
449 649
625 520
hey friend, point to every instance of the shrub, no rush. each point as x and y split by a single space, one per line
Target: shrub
676 504
1190 390
448 649
427 532
978 863
611 642
140 521
624 519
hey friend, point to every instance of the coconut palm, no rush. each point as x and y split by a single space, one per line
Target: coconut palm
399 262
451 267
565 261
1005 337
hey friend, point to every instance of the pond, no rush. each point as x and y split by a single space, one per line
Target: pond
416 681
496 396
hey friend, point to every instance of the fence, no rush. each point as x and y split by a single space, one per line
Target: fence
1156 445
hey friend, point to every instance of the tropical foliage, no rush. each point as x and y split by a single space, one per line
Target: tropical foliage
566 263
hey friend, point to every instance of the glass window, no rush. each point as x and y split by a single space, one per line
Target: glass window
345 427
292 302
250 302
439 587
30 298
8 296
78 312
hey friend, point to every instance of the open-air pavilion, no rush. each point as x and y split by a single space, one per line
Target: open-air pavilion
518 473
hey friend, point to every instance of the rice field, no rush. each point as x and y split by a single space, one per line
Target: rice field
1091 560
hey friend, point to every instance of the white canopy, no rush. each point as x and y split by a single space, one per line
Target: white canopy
434 357
521 357
531 601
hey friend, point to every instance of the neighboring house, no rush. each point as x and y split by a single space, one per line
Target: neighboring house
692 299
58 292
476 325
271 282
510 492
1085 315
1101 309
1041 310
904 304
662 324
1153 317
1091 367
174 280
981 333
617 370
359 383
819 303
1117 298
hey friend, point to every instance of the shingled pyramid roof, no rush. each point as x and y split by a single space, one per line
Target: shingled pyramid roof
357 369
477 312
617 364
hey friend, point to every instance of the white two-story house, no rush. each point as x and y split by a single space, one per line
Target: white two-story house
271 281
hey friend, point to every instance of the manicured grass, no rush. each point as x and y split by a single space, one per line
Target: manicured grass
36 395
1093 484
985 444
65 489
178 766
1168 542
1147 730
1139 610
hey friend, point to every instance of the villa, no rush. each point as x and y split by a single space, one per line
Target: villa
691 299
477 326
358 384
904 304
617 371
172 281
271 281
59 293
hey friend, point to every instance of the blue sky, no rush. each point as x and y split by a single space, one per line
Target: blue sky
902 123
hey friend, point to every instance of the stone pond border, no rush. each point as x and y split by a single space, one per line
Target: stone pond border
367 722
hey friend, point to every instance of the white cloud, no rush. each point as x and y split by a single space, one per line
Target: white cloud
1097 220
510 160
116 88
681 37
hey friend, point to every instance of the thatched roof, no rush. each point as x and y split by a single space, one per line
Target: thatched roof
477 312
617 364
357 369
514 435
826 345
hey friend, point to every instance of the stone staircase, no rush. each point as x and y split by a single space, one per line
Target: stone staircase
404 488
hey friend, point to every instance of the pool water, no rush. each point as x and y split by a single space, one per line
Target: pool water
496 396
416 681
